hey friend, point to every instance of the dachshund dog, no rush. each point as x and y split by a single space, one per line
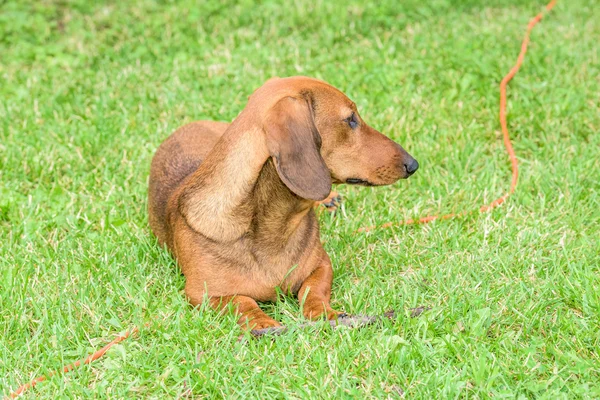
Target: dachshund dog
234 203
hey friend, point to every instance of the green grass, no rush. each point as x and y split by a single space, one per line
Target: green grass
89 90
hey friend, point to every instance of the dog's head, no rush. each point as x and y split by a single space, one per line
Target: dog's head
316 137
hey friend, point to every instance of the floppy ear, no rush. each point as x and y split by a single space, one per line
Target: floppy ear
294 143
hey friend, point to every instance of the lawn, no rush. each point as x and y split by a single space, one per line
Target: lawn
88 90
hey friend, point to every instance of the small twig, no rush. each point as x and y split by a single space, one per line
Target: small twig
349 321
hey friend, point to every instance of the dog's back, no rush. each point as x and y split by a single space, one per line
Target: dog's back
176 158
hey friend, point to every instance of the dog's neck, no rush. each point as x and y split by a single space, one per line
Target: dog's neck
236 191
278 212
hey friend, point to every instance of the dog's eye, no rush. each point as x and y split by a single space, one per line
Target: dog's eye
352 121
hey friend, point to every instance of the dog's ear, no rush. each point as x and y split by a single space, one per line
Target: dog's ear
294 143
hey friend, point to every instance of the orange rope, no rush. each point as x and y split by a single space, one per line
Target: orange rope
495 203
70 367
507 143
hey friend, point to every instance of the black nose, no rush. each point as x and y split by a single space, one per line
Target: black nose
411 167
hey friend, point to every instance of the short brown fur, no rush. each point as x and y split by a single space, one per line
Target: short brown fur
234 202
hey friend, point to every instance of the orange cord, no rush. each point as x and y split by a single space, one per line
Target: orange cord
70 367
495 203
507 142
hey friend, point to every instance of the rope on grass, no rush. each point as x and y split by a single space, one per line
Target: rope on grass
515 175
67 368
507 143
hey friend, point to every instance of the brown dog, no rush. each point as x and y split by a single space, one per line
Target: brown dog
234 202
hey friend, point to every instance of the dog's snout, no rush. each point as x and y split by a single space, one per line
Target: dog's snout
411 167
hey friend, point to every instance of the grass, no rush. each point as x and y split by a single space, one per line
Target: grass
89 90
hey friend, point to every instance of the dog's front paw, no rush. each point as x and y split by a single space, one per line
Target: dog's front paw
334 315
317 311
332 202
263 323
265 326
257 320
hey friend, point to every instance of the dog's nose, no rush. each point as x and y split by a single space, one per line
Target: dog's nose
411 167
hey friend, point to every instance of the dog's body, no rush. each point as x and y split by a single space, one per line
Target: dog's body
259 259
234 202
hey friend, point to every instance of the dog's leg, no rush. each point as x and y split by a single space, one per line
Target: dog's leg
316 293
251 317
